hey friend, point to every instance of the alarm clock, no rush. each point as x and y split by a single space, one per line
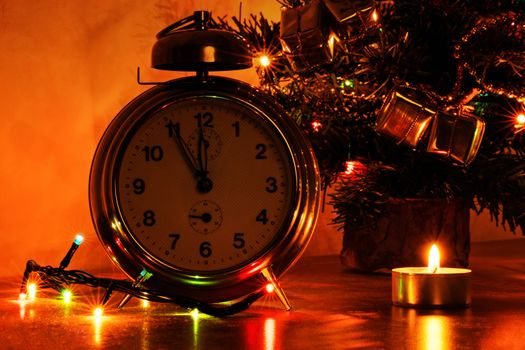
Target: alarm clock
204 182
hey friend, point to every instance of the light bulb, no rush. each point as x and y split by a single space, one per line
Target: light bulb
31 291
79 239
98 312
66 296
264 60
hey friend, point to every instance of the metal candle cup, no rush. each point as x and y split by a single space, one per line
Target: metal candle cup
418 287
432 286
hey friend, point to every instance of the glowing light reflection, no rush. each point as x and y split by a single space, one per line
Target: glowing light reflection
195 316
349 167
434 330
269 334
22 310
97 323
332 39
375 16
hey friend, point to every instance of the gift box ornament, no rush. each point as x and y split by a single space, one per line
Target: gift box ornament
353 12
306 35
456 137
404 118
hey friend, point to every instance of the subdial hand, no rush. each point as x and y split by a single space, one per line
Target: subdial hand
206 217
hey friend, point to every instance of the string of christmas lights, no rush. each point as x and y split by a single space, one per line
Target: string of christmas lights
61 280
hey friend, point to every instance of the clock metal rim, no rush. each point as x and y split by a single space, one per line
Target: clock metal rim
214 287
156 260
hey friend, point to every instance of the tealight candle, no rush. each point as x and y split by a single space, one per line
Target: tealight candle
432 286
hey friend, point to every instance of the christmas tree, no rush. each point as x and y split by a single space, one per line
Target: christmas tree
403 99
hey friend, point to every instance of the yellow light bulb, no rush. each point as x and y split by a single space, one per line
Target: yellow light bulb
270 288
66 296
520 119
98 312
31 291
264 60
316 125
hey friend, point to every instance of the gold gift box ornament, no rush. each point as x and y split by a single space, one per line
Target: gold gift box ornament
456 137
352 12
306 35
309 32
405 118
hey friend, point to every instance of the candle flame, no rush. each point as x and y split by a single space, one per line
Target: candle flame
433 259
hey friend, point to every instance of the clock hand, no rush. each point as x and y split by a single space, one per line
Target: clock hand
188 157
204 184
206 217
202 154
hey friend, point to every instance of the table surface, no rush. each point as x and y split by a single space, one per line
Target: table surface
332 309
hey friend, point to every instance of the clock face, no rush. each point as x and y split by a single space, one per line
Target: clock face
205 184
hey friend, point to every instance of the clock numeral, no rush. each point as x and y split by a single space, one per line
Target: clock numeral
205 249
238 240
173 129
139 186
272 184
237 128
154 153
204 119
262 217
261 151
175 237
149 218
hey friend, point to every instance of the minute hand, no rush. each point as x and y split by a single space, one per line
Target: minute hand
186 153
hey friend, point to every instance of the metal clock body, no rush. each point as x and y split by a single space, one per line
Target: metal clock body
206 183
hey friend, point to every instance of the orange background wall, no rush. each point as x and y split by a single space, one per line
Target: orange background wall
67 67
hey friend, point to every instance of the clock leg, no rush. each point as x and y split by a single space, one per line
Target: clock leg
144 275
107 295
270 277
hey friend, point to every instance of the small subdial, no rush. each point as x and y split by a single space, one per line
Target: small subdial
213 142
205 217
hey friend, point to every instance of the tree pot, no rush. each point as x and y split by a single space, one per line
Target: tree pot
402 237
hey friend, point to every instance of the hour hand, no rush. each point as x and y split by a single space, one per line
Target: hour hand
202 152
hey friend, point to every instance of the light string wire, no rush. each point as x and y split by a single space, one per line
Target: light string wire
60 279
